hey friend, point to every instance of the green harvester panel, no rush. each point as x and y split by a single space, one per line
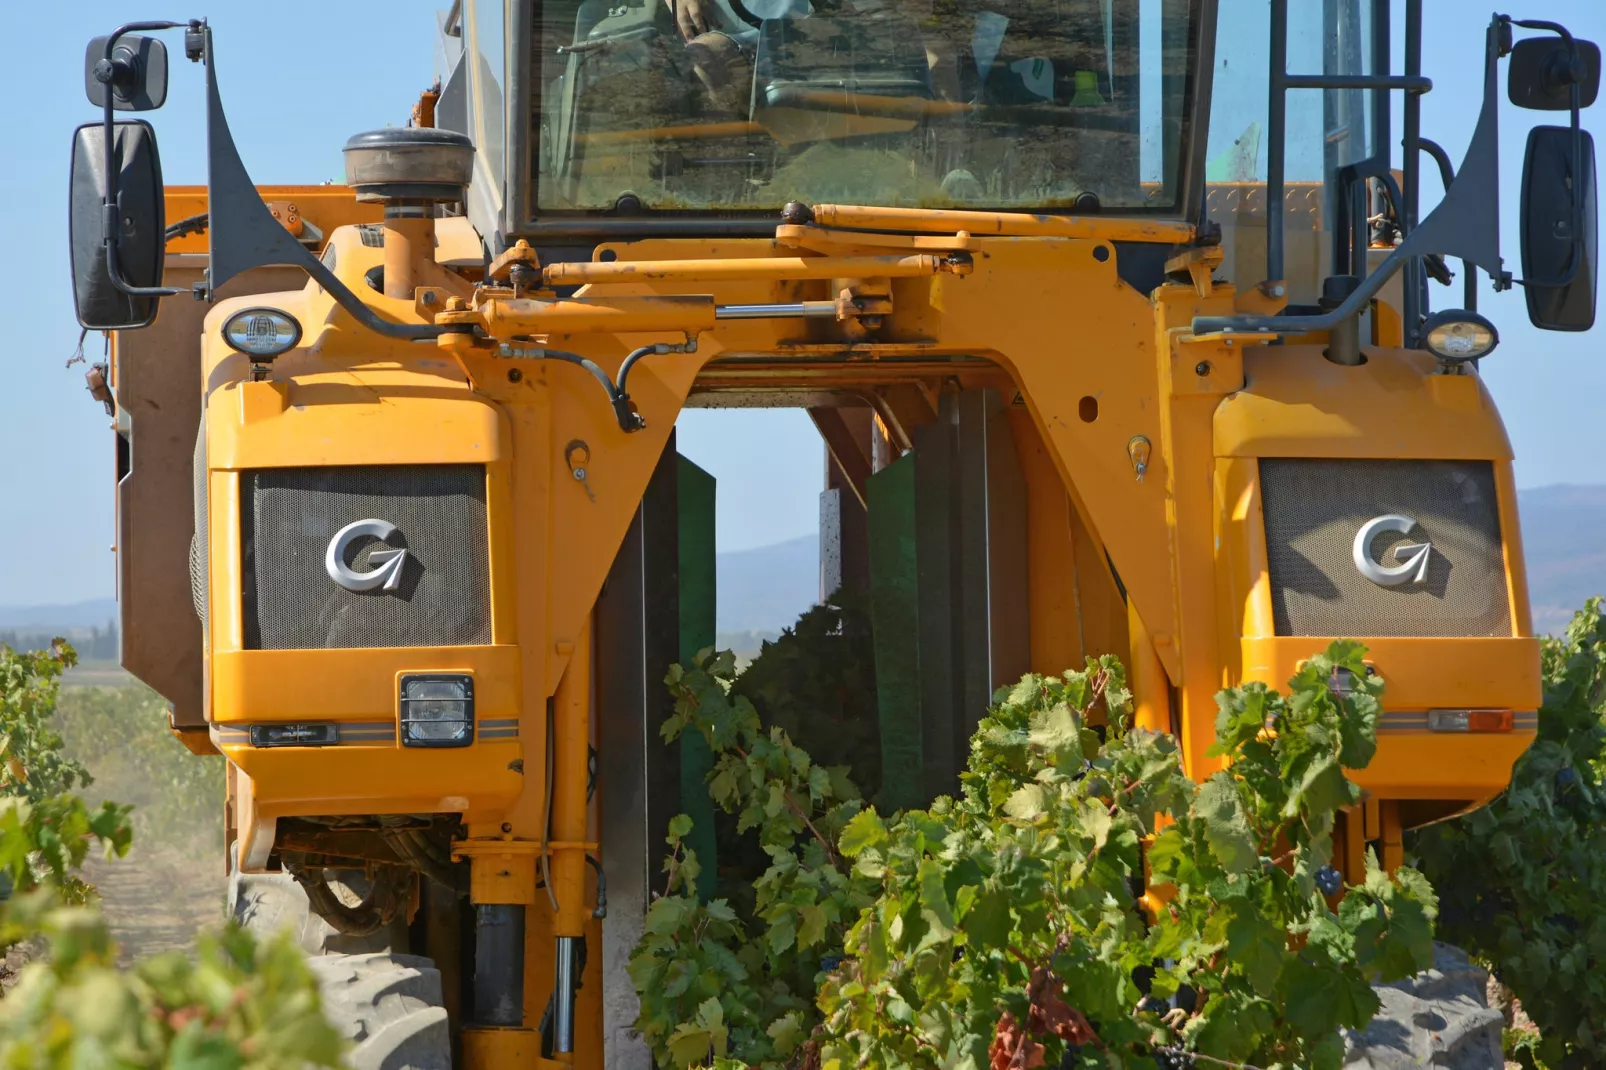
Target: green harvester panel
894 610
695 489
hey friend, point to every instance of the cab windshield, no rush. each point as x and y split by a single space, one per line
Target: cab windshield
730 105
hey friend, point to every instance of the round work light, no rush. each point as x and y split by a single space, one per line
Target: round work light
261 332
1457 336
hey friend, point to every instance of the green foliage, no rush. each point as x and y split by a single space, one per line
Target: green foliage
43 843
1008 926
759 969
32 762
817 684
121 733
45 831
1524 878
238 1005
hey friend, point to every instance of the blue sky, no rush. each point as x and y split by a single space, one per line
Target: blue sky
300 77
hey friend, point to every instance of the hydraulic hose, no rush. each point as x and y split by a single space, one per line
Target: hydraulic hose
629 419
390 889
194 224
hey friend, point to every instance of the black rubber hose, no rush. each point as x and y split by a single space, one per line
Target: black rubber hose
629 419
602 889
378 908
629 362
589 365
414 846
194 224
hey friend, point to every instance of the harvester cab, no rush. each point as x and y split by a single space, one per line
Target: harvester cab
720 112
1114 319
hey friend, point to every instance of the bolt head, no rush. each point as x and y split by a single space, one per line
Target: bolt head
1202 368
1279 290
428 298
580 474
514 375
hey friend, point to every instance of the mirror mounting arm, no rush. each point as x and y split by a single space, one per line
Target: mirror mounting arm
1462 225
110 209
243 235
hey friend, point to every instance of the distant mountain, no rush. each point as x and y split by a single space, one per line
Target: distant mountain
92 614
1563 534
767 588
1564 539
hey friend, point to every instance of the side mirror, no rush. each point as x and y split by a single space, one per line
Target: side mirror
136 77
140 241
1559 229
1543 72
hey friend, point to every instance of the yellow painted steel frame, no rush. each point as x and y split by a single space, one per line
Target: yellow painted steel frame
1096 363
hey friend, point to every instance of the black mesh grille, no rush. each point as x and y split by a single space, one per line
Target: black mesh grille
292 514
1314 510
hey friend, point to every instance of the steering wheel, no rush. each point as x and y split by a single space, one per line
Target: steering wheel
754 12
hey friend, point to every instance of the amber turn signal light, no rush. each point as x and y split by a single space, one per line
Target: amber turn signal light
1470 720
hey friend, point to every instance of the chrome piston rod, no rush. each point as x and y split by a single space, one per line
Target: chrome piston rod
793 310
563 997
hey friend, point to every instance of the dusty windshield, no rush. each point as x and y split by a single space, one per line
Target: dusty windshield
747 104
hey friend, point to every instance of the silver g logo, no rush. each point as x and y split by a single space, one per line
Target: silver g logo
387 564
1412 557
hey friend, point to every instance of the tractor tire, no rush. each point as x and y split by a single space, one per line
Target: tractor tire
1439 1018
389 1007
267 903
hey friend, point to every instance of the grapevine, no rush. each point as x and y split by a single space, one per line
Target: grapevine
1010 926
236 1003
1524 878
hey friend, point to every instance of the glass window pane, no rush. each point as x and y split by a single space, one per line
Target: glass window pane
748 104
485 38
1326 128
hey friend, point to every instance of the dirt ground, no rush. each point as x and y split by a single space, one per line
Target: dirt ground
156 900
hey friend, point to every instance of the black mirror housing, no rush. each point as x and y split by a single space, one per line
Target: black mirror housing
1542 74
1553 197
136 78
141 214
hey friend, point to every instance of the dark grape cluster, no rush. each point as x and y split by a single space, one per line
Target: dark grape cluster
1566 777
1153 1005
1329 880
1169 1059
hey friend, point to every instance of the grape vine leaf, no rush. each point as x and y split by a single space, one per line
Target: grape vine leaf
1226 827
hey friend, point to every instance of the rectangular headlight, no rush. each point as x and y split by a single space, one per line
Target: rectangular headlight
437 710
